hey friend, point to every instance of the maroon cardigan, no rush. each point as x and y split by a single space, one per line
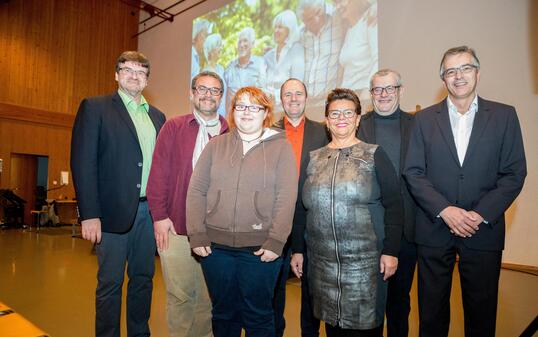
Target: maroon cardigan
171 170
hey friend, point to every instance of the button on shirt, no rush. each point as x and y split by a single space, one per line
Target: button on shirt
145 131
462 125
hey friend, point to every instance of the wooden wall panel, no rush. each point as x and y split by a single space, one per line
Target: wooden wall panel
31 138
53 53
60 51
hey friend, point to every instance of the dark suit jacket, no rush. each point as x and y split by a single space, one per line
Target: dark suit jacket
489 180
315 136
106 161
366 133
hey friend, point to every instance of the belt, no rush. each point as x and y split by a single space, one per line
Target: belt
142 199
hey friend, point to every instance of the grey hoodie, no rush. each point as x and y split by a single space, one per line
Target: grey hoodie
241 200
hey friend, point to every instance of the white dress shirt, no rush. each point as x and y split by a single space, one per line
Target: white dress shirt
462 125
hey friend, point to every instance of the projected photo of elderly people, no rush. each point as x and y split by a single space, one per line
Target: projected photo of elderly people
286 59
324 43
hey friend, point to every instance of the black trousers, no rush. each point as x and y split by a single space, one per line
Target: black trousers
136 251
479 278
309 323
279 300
398 300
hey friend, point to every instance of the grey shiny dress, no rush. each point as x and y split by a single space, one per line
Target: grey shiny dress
354 214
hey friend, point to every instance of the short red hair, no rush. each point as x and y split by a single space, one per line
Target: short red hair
257 96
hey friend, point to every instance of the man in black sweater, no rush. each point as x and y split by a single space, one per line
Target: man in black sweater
390 127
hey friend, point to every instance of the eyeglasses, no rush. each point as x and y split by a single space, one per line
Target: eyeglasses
464 69
391 89
335 114
203 90
131 72
251 108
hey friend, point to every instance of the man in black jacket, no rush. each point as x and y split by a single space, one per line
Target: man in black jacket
111 150
390 127
305 135
465 166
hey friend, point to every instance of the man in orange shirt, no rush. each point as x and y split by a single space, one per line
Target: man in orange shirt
304 135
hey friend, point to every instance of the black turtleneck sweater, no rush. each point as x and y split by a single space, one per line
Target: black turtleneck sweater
387 134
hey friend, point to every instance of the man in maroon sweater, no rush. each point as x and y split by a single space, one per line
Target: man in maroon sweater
178 147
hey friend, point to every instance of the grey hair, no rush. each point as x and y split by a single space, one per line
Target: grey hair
207 73
213 41
307 4
385 72
288 19
199 26
248 33
455 51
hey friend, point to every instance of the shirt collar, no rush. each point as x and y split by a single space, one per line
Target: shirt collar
452 109
129 101
250 62
288 125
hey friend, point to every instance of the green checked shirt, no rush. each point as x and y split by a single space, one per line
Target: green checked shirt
145 131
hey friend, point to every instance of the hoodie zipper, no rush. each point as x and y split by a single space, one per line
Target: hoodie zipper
338 266
234 227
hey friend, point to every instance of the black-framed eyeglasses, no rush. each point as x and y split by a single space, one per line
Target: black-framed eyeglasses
464 69
203 90
335 114
390 89
130 71
251 108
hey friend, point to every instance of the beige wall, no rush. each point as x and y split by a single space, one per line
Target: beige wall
412 37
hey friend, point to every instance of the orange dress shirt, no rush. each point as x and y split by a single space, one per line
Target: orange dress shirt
295 136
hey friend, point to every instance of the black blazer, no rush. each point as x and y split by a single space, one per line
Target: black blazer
315 136
489 180
366 133
106 161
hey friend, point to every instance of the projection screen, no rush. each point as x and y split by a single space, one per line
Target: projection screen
262 43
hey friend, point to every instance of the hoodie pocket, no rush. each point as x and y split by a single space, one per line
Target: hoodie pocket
257 208
212 208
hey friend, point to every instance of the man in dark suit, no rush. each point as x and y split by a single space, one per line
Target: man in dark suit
465 166
111 150
304 135
390 127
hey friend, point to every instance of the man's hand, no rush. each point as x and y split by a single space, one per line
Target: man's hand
387 266
161 229
266 255
202 251
296 264
476 218
91 230
460 222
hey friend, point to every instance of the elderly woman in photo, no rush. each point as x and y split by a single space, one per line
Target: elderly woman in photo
200 29
286 60
212 49
354 224
240 206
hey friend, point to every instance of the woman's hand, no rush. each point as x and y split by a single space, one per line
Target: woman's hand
387 266
296 263
266 255
202 251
